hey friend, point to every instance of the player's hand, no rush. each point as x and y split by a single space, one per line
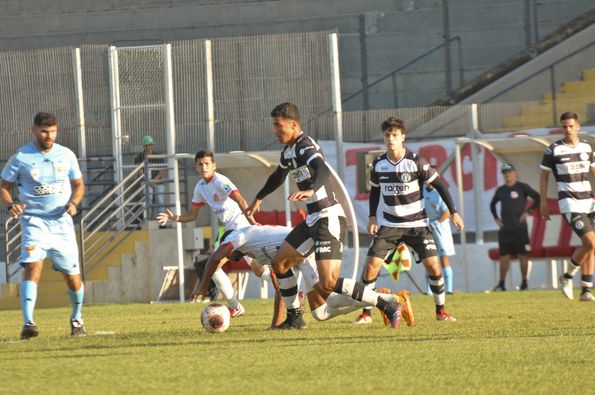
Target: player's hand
499 222
70 208
16 210
544 211
457 221
253 208
523 217
372 226
301 195
167 216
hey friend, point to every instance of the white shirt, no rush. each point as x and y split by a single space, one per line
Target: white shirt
216 194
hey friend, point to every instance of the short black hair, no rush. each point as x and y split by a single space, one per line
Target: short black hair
203 154
286 111
45 119
568 115
392 123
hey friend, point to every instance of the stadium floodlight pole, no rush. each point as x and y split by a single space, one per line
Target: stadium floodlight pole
336 98
210 95
477 178
459 164
114 79
80 112
172 162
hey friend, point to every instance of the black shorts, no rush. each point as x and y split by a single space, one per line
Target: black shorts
387 238
325 237
514 242
581 223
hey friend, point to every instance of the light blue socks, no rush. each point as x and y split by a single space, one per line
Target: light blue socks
77 302
448 278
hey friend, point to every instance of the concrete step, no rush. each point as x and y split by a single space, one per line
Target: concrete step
588 74
585 95
579 86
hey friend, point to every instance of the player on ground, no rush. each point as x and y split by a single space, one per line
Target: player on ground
228 204
50 186
262 243
397 211
323 231
572 162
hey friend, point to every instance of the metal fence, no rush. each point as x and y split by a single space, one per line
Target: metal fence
423 51
251 75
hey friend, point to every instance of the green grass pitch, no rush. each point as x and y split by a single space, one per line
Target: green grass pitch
533 342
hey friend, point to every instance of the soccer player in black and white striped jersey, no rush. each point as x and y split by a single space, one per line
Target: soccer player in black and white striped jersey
572 162
323 231
397 212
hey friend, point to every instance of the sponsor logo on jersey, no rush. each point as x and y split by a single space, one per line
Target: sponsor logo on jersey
216 197
514 195
303 150
35 173
584 156
228 188
384 168
405 177
578 225
396 189
300 174
48 189
565 159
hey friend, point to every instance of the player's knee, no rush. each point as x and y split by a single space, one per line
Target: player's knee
320 313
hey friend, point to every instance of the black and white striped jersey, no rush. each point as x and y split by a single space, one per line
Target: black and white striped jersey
297 160
572 169
401 189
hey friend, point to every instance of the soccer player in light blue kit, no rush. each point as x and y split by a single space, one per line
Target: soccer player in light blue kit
439 223
50 187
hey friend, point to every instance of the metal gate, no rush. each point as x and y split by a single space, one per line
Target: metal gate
141 102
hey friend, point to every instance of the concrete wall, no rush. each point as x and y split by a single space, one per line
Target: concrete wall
397 32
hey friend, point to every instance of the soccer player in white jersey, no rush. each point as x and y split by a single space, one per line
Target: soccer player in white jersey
323 231
397 211
262 243
572 162
228 204
50 187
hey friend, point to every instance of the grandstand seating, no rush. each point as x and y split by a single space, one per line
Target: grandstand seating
551 241
576 96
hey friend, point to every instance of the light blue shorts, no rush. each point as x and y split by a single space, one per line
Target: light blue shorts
50 237
443 237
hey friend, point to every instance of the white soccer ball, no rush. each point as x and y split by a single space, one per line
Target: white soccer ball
215 318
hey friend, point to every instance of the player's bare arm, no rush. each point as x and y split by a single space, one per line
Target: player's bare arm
301 195
78 191
215 262
15 209
168 216
237 197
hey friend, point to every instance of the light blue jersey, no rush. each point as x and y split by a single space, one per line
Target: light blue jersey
43 178
44 188
435 207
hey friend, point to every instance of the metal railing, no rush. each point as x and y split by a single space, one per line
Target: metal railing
393 73
109 218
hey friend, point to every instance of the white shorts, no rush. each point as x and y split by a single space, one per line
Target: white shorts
50 237
443 237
